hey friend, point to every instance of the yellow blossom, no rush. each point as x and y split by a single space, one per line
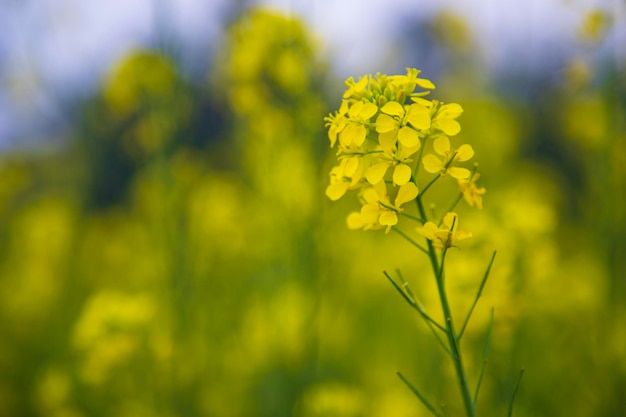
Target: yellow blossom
356 89
434 164
345 176
444 119
447 235
377 211
396 156
336 122
409 81
471 193
355 132
394 119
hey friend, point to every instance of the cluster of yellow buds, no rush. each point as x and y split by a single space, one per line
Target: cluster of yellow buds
380 127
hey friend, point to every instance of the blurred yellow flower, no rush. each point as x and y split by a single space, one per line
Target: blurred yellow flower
471 193
434 164
447 235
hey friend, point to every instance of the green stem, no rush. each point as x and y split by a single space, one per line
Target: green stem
417 219
431 183
431 250
478 294
419 395
451 208
519 380
457 358
408 239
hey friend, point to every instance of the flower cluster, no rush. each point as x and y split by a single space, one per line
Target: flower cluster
381 131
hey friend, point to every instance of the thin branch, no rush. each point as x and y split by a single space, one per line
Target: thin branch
411 241
519 380
478 294
419 395
485 356
410 216
429 184
408 296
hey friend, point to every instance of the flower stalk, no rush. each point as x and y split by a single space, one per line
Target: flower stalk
382 130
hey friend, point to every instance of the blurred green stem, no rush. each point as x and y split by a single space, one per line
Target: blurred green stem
453 342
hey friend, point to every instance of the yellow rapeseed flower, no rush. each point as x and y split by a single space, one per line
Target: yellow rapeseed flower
356 89
355 131
434 164
394 120
345 176
447 235
396 156
444 119
336 122
471 193
377 211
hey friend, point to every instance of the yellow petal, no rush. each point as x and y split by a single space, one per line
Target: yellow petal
419 116
408 137
460 235
448 126
350 166
402 174
459 173
355 109
385 123
449 220
375 173
343 108
424 102
393 108
464 153
432 164
381 190
370 195
353 134
429 230
370 213
406 193
355 221
388 218
451 110
368 110
387 140
442 145
406 151
337 190
424 83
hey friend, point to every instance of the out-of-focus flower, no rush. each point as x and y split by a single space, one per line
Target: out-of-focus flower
446 235
471 193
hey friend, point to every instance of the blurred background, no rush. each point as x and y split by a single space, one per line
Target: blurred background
166 247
